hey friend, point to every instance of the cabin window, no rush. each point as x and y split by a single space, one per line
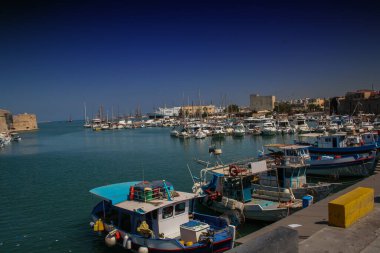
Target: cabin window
167 212
328 139
180 208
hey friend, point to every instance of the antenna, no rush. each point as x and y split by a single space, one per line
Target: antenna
143 174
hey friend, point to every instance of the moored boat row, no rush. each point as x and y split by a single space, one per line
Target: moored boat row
135 215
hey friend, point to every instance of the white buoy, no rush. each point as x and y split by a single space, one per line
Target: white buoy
129 244
218 151
143 250
110 240
125 239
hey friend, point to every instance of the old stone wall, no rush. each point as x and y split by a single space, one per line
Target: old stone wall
24 122
354 106
4 120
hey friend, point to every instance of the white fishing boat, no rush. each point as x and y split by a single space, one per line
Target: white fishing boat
291 166
238 130
268 129
218 132
300 124
174 132
5 138
184 134
230 192
96 124
15 137
283 127
227 189
322 126
200 134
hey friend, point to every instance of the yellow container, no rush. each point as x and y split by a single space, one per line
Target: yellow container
100 225
348 208
189 243
182 242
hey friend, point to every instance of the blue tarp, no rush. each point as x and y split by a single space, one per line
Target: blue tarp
116 193
212 184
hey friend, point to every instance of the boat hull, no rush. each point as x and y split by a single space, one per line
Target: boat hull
251 211
342 167
342 151
223 241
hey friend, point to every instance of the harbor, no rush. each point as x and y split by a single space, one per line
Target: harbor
74 159
195 126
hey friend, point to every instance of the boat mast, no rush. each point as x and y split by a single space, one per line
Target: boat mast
85 112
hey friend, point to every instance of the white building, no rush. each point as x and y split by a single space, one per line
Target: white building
170 112
262 103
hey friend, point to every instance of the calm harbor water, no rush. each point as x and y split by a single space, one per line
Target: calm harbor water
45 179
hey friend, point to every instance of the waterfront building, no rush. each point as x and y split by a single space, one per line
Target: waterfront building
198 110
317 102
262 103
168 112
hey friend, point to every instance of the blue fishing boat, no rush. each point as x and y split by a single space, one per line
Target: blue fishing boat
372 138
347 165
147 217
339 144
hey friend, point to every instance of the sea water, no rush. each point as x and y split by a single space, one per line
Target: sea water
46 178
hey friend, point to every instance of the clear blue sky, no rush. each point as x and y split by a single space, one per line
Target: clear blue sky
55 55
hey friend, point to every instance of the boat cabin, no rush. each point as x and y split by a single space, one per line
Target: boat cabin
128 205
371 138
290 170
283 123
331 141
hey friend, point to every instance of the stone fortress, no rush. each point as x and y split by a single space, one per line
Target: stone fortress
20 122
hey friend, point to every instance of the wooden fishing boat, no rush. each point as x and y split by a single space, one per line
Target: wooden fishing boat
152 217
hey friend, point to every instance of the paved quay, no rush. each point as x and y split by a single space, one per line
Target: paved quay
314 233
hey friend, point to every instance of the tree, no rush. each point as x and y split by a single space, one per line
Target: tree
198 112
204 114
232 108
283 108
314 107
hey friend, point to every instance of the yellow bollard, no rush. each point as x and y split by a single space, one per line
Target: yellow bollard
348 208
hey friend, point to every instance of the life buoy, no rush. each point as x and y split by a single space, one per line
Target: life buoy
234 170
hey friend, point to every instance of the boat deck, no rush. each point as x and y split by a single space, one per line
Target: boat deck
145 207
265 204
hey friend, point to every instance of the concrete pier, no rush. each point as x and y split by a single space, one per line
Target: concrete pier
314 233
